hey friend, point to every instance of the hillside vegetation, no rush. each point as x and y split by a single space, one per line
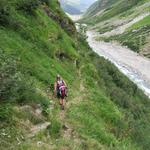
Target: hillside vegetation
108 15
99 6
104 109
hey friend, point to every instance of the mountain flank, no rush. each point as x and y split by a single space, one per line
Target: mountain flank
104 109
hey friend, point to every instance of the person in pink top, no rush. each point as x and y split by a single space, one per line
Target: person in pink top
60 90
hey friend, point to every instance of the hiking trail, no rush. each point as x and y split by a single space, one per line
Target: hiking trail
68 131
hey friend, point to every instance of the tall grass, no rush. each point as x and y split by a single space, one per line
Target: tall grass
108 112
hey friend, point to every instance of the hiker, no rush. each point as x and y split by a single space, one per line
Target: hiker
60 90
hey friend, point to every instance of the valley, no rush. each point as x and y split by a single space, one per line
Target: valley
115 37
134 66
127 24
104 109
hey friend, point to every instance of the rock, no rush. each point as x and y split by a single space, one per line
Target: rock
38 111
39 143
4 134
65 127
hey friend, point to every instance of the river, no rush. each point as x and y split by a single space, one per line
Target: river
134 66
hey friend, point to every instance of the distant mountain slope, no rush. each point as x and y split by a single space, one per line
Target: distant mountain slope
76 6
111 8
98 6
108 17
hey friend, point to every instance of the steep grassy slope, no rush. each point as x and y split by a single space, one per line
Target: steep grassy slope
104 109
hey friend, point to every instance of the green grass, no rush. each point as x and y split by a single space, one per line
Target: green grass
100 115
115 9
118 9
98 6
135 37
141 23
101 118
105 29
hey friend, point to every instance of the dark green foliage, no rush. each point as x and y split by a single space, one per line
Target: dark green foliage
15 86
4 12
28 5
45 103
120 97
5 112
128 97
8 77
140 132
47 2
12 84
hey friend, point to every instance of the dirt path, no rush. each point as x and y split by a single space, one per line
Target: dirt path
136 67
67 130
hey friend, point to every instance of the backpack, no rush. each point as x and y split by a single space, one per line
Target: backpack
61 88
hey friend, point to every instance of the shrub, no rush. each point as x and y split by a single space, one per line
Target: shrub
120 97
28 6
47 2
14 85
60 36
5 112
8 76
45 103
141 132
4 12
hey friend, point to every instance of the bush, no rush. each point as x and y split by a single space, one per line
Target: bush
14 85
4 12
8 76
5 112
47 2
120 97
141 132
29 6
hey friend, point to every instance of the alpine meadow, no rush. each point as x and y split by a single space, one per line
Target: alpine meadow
104 109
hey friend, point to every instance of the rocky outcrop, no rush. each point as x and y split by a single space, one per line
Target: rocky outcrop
64 22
